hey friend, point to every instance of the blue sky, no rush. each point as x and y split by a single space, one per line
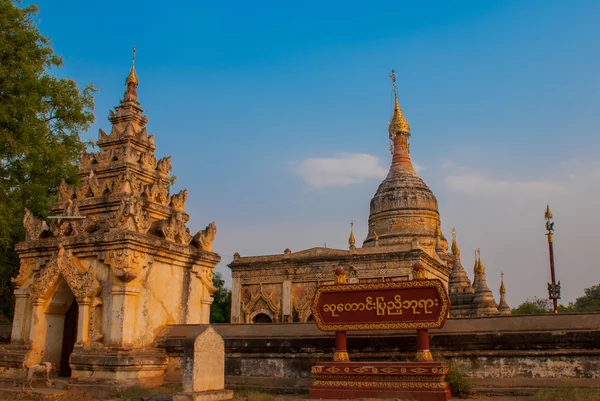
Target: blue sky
276 116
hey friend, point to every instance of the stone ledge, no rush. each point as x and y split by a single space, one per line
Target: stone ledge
216 395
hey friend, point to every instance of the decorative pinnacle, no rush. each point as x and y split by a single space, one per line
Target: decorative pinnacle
132 78
502 289
480 268
351 240
455 249
548 214
398 123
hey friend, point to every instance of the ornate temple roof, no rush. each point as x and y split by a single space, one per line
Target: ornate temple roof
403 207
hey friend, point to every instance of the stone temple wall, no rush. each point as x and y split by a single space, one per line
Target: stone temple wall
535 346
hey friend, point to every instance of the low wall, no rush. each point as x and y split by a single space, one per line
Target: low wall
532 346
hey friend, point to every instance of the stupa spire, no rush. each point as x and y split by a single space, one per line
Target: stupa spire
459 285
131 82
483 301
476 270
399 132
503 307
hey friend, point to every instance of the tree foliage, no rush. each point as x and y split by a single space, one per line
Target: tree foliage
533 305
589 302
220 310
41 116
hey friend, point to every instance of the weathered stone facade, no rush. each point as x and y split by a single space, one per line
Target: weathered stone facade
115 265
404 228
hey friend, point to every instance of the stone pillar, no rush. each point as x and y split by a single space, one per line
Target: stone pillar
18 328
287 300
123 323
37 331
194 303
83 321
204 368
236 300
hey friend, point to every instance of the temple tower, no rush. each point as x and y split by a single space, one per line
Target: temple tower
403 207
116 263
503 307
483 300
459 285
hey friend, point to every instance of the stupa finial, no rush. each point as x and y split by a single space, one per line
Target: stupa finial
351 240
132 78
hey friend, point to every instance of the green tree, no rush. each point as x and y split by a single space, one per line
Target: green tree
220 310
533 305
41 116
590 302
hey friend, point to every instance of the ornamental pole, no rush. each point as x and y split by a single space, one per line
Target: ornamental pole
341 352
423 351
553 288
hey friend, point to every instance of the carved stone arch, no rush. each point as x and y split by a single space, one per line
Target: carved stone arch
262 311
80 279
262 301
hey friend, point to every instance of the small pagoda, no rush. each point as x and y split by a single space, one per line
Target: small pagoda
114 265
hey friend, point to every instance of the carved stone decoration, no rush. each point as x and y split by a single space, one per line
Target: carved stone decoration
104 157
148 160
130 216
102 136
129 155
90 188
85 159
205 275
204 238
258 301
126 264
80 279
127 183
34 228
178 200
69 227
303 303
157 192
96 334
65 191
25 272
164 165
173 229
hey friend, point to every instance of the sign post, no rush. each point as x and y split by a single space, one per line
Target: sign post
419 304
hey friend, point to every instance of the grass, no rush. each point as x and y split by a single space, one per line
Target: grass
568 394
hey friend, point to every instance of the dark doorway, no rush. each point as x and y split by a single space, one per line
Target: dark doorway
262 318
69 337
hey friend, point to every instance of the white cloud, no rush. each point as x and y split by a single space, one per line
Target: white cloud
340 170
480 185
418 167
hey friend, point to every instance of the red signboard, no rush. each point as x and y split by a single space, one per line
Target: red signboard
414 304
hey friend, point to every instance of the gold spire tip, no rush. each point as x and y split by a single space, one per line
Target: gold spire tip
132 78
548 214
351 240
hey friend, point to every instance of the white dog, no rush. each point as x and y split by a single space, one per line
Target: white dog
42 367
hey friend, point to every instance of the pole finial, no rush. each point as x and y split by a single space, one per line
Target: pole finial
133 57
393 77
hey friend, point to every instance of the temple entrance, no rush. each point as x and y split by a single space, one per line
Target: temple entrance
262 318
60 333
68 340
